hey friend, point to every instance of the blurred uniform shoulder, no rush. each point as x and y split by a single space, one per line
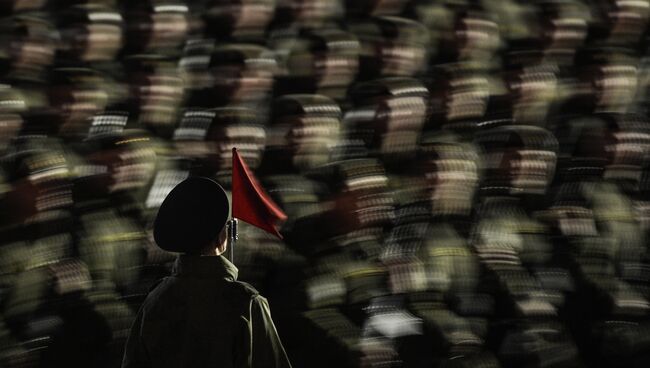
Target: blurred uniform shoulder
243 290
157 289
166 292
156 283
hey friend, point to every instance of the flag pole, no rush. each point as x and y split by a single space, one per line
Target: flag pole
232 224
232 236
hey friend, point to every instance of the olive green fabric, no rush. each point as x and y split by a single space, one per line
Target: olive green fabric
202 317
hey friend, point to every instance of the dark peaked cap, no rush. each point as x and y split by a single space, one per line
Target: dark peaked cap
191 216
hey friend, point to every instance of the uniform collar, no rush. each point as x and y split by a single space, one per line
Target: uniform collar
204 267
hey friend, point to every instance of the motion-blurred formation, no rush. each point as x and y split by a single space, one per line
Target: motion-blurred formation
467 182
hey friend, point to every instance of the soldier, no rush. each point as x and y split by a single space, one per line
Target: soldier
201 316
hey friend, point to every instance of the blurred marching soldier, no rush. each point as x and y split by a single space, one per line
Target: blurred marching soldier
201 316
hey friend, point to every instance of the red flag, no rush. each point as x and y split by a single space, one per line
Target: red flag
250 202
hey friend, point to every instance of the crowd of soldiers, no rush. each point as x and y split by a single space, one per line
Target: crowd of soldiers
467 182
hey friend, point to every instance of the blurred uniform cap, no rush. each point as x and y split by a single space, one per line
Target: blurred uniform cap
242 73
388 116
207 136
90 33
244 20
323 61
158 25
391 47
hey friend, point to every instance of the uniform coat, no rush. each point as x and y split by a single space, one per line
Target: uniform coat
201 316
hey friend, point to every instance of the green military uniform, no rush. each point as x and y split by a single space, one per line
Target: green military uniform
202 317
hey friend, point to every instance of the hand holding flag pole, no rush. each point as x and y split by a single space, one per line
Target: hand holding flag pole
251 203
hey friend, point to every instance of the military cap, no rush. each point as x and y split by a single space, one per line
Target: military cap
191 216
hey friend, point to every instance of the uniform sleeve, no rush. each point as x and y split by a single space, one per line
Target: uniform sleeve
267 350
135 354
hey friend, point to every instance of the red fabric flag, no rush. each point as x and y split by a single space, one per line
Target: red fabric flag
250 202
